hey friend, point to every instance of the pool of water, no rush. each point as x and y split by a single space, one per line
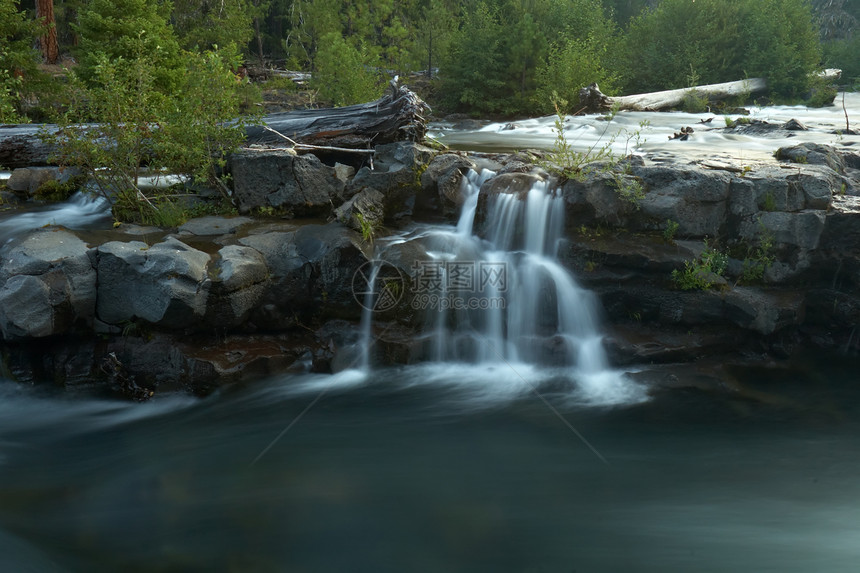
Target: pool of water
436 468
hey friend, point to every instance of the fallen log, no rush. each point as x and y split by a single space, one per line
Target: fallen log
592 100
397 116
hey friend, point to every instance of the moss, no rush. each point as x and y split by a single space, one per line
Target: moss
53 191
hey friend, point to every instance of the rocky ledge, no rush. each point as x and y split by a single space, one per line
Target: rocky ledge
223 300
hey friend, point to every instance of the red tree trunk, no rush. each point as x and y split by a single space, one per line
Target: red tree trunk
48 40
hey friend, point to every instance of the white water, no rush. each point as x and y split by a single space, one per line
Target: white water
709 141
535 322
81 211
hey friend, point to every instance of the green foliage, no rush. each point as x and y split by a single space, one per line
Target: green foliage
564 160
368 229
110 30
769 202
9 88
504 50
53 191
722 41
213 24
343 75
759 257
842 54
188 133
670 230
702 272
18 59
569 66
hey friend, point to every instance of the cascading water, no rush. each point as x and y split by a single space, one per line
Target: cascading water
532 310
504 299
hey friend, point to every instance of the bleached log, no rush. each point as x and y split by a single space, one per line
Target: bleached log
592 100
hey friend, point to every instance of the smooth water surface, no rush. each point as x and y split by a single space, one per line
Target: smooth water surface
435 468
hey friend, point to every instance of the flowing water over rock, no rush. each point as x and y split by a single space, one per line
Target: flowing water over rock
81 211
709 140
504 301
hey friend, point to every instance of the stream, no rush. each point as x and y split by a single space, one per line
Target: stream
501 457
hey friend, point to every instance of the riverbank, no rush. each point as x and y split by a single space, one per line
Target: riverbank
225 300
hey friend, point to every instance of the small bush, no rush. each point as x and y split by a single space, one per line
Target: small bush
342 74
702 272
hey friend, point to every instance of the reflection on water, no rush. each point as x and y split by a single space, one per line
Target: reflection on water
419 469
710 140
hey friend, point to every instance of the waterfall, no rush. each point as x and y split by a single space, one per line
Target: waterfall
500 296
532 310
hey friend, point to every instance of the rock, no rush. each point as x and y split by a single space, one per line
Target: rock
695 198
794 125
215 225
297 185
593 201
395 174
239 281
344 172
801 229
59 262
812 154
311 271
27 180
764 312
442 179
364 212
26 309
165 285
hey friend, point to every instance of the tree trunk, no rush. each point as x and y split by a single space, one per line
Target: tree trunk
394 117
48 40
592 100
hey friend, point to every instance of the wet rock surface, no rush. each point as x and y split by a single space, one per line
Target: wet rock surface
228 299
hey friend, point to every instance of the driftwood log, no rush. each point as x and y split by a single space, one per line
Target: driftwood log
592 100
397 116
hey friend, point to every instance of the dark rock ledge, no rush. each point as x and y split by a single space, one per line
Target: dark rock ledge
224 300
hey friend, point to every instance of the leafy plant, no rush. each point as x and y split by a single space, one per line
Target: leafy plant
189 132
670 230
702 272
567 162
343 74
368 228
759 257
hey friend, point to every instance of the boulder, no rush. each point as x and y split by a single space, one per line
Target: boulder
48 285
695 198
364 212
165 284
812 154
297 185
440 182
396 174
239 280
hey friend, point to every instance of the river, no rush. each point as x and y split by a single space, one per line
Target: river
477 465
435 468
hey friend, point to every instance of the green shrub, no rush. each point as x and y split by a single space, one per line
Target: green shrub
722 41
54 192
342 74
189 133
127 30
702 272
569 66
